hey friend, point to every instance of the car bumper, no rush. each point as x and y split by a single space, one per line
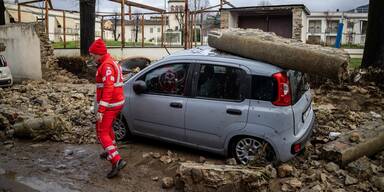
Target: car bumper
5 82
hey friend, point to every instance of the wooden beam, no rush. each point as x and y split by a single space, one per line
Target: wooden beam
139 5
194 30
162 30
18 13
211 7
64 32
221 4
142 31
130 12
50 4
186 15
46 18
201 28
102 28
122 24
230 4
29 2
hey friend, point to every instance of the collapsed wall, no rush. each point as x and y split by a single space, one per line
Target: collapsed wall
22 50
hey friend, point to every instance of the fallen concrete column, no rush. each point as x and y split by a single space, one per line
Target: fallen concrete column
366 141
282 52
36 129
209 177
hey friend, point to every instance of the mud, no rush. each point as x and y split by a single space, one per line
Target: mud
52 166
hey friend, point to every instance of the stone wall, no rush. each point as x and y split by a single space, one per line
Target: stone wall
297 23
224 19
22 50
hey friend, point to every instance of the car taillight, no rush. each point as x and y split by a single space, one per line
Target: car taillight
283 90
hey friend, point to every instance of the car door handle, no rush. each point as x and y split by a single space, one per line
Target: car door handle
176 105
234 111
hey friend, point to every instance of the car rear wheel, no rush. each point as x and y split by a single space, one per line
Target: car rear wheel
120 127
251 150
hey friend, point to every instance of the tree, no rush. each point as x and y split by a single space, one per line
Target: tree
2 12
87 25
374 42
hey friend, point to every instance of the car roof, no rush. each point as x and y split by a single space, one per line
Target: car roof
206 53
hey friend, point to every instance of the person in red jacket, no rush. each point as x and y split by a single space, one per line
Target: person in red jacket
110 101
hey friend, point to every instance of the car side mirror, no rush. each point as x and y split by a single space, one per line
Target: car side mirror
139 87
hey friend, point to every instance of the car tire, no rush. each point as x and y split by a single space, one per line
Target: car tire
121 129
251 150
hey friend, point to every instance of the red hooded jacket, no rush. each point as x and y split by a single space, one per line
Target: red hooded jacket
109 84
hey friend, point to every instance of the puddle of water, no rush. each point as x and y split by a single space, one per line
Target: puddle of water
43 186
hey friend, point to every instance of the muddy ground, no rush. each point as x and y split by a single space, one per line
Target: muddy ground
52 166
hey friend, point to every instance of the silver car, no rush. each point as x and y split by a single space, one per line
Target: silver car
6 78
220 103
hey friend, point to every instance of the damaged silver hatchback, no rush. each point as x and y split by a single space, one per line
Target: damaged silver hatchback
220 103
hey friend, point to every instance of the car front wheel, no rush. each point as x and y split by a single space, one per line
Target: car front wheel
120 128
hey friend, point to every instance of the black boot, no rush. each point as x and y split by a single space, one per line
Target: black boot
104 155
116 168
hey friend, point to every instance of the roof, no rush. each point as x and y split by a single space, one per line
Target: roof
360 9
211 54
270 8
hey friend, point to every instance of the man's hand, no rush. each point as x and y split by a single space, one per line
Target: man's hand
99 116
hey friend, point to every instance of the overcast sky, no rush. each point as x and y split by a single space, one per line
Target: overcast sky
313 5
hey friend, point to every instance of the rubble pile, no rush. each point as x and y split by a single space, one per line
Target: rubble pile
70 104
49 62
339 109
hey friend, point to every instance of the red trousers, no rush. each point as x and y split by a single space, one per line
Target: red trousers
106 135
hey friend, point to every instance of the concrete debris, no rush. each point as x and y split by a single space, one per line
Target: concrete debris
332 167
285 170
294 183
354 137
231 161
67 104
202 159
368 140
378 182
334 135
350 180
211 177
167 182
375 115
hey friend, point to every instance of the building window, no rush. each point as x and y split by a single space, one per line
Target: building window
151 30
314 26
332 26
158 30
364 27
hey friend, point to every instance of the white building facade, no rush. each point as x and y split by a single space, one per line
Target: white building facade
322 27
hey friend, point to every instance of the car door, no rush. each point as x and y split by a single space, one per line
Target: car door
218 106
160 110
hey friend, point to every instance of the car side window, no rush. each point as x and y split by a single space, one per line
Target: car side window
167 79
220 82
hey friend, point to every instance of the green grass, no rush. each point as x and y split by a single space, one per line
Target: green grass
352 46
355 63
109 43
